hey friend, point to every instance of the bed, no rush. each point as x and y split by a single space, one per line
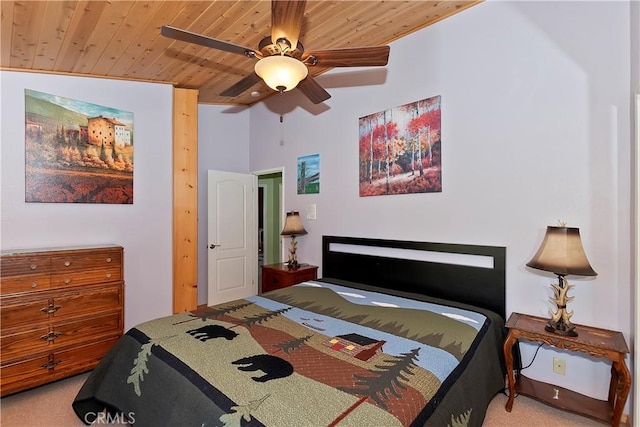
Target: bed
394 333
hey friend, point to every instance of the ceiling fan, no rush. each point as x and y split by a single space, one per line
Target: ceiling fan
282 61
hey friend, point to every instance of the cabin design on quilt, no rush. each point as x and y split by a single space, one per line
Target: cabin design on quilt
356 345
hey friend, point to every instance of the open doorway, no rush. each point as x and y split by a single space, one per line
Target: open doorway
270 208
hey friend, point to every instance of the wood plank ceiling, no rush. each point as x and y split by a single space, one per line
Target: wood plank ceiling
121 39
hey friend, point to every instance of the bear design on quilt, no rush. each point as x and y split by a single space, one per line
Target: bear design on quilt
210 332
273 366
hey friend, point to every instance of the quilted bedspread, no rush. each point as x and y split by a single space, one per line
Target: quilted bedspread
314 354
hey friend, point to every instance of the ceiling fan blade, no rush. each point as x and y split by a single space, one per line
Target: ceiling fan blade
242 85
286 20
348 57
312 90
188 36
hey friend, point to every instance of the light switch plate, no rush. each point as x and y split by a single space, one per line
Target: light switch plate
311 211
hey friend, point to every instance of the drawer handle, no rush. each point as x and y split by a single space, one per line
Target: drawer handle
50 309
50 364
33 266
34 285
108 275
108 259
67 281
67 263
51 336
274 280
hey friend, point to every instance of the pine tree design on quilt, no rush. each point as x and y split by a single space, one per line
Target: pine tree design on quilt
140 364
263 317
140 367
290 345
240 412
214 312
462 420
387 379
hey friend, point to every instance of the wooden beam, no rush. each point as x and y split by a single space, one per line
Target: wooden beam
185 200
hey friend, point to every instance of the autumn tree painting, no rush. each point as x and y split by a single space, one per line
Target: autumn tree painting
76 152
400 150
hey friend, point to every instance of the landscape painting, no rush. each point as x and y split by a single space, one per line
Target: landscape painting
76 152
400 150
309 174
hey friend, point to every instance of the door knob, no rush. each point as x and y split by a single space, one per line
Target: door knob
213 246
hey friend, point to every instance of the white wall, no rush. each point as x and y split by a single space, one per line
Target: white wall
635 210
535 129
223 144
142 228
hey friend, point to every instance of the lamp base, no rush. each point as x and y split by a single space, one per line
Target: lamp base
559 322
561 328
293 259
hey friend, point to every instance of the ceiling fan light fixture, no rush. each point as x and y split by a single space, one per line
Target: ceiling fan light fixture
281 72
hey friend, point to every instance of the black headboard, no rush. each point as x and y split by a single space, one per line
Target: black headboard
481 286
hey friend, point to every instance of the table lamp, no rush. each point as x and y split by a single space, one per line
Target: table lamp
561 253
293 227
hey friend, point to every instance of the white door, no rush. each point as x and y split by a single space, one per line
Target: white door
232 233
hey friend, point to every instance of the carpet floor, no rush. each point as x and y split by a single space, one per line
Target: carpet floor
50 406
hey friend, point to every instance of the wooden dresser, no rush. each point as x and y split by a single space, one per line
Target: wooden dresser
61 310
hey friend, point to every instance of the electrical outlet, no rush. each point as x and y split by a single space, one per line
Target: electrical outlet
559 366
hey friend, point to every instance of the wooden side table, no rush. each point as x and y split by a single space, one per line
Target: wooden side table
277 276
600 343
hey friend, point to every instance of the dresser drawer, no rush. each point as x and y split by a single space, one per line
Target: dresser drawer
90 301
15 311
86 277
15 266
103 259
84 330
25 283
273 281
22 343
24 374
278 276
304 275
82 358
50 366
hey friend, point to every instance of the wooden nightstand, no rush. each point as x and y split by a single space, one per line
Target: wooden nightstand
600 343
276 276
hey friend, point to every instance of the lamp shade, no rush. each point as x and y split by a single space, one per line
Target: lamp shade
293 225
561 253
281 72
